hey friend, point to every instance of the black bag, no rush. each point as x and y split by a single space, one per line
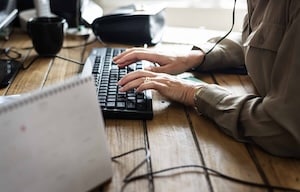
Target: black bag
129 25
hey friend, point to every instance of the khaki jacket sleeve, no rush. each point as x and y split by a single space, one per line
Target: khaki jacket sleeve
228 54
270 119
245 119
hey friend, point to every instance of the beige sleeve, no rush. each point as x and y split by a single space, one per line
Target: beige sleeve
228 54
244 118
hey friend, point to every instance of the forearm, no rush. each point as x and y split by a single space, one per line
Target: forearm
244 118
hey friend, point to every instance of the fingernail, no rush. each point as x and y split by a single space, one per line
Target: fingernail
120 82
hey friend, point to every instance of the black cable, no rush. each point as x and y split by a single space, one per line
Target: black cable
56 56
213 172
68 59
26 48
10 53
31 62
13 54
127 177
123 154
217 173
230 30
13 50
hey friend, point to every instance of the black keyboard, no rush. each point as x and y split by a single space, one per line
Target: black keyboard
115 104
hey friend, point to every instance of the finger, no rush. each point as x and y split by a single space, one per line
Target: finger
158 69
151 84
137 55
132 84
144 83
123 58
129 58
135 75
126 52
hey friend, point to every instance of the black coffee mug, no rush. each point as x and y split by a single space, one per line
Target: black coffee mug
47 34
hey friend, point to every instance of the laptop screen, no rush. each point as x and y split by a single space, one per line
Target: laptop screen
8 12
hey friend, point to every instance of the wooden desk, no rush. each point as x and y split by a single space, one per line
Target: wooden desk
176 136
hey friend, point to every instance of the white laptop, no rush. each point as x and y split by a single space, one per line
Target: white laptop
54 140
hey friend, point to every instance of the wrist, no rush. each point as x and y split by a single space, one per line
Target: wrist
197 94
196 58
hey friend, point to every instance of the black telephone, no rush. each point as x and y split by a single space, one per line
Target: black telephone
131 25
8 70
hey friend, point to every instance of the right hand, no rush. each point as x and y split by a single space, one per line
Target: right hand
167 85
170 63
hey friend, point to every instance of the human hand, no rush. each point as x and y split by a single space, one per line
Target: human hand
172 63
167 85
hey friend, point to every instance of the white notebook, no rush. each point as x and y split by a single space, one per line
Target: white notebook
54 140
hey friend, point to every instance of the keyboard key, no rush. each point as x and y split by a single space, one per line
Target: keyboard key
120 105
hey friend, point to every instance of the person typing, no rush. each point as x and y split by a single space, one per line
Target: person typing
269 49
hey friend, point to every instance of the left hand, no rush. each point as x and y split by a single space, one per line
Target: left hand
167 85
169 62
